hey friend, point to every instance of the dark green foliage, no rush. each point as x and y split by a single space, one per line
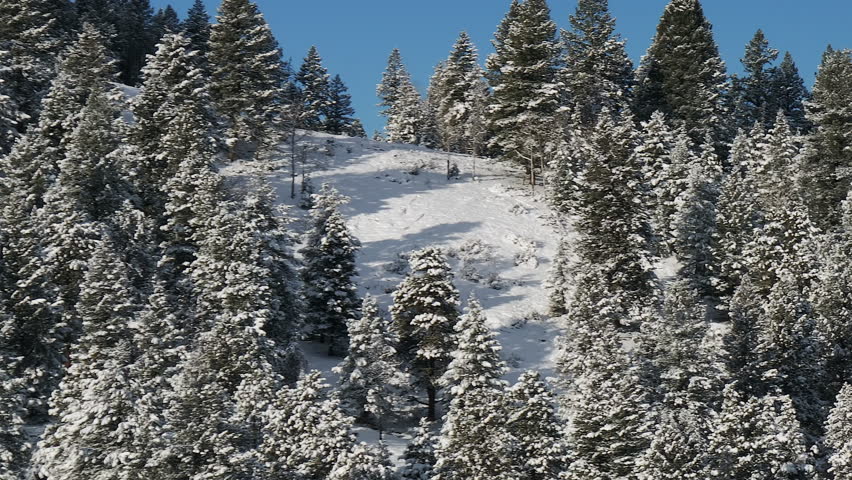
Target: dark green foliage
315 88
338 113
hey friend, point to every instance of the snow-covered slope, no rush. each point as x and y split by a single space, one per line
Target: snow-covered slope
500 238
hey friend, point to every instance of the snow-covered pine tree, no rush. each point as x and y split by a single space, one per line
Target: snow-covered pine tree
32 34
94 400
14 450
682 74
330 295
313 79
756 438
678 449
839 434
672 182
424 315
356 129
363 462
371 379
825 176
246 75
85 68
461 76
537 431
305 432
338 113
401 102
475 441
196 28
597 73
613 224
753 92
655 147
133 34
558 282
789 93
419 457
164 22
522 73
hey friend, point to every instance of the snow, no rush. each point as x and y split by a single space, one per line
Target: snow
500 237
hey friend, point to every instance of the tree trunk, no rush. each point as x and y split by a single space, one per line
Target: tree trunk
431 392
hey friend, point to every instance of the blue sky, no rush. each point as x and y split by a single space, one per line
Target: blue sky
355 37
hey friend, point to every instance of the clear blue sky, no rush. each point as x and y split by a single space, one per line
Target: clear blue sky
355 37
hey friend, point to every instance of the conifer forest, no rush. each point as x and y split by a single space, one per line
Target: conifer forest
551 264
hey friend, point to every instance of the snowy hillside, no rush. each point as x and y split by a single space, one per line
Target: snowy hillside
499 236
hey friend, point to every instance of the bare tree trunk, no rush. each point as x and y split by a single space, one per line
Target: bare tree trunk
293 163
432 402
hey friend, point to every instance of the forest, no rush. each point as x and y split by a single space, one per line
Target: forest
180 301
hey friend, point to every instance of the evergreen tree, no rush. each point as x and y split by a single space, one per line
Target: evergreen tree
756 438
474 440
825 177
363 463
682 74
245 81
522 74
338 114
14 450
371 381
356 129
671 185
839 434
305 433
558 281
460 78
196 27
94 399
419 456
165 21
330 295
424 315
315 88
537 432
654 155
789 93
754 102
134 36
401 102
598 74
678 449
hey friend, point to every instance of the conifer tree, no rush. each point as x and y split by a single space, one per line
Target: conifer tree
133 35
196 27
94 399
474 440
825 179
401 101
678 449
653 153
754 102
537 432
314 81
165 21
682 74
338 114
364 462
839 434
598 74
756 438
522 74
670 186
558 281
419 456
356 129
424 315
245 81
329 254
460 78
394 76
371 380
306 432
14 450
789 93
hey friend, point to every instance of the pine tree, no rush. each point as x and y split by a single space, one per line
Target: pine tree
94 399
246 74
401 102
14 450
424 315
653 153
363 463
371 380
789 94
522 74
558 281
613 225
338 114
329 254
419 456
839 433
756 438
165 21
305 433
314 81
460 78
32 35
537 432
825 179
134 36
474 440
682 74
754 102
598 74
356 129
196 27
678 449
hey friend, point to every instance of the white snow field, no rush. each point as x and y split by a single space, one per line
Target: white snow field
499 236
